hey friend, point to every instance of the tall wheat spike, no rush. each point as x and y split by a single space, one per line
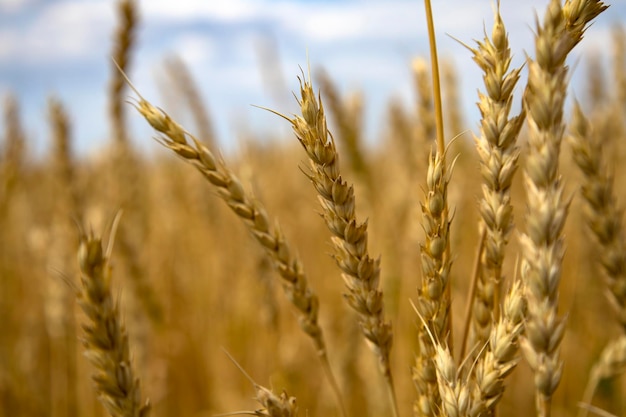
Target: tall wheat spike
106 340
605 220
542 244
360 272
498 154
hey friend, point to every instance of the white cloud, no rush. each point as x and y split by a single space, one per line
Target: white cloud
195 49
61 31
14 6
232 10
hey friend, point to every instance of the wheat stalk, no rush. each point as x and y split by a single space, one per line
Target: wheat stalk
433 302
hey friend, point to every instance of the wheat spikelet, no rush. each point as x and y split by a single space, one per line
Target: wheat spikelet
106 340
542 244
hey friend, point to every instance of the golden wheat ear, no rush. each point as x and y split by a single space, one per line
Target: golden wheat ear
560 31
360 272
105 337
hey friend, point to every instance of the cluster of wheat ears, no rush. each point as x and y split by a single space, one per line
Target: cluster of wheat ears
199 290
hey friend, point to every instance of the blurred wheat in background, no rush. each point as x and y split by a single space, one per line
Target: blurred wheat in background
419 275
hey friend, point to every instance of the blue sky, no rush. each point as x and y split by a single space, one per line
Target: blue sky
62 48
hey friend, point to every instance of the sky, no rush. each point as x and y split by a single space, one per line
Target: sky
62 48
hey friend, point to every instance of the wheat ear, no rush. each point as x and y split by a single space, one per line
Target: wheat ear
123 43
498 153
106 340
424 101
433 302
255 218
604 218
13 152
360 272
542 244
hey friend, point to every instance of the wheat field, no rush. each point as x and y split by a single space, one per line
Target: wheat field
444 270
